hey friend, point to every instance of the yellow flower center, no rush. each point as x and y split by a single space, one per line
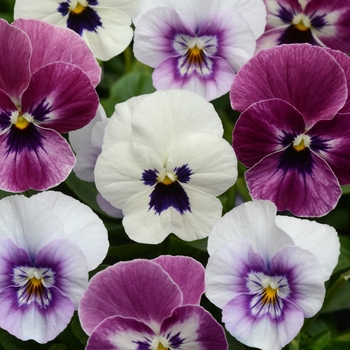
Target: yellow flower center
302 22
195 55
21 122
301 26
79 8
161 347
301 142
269 295
166 177
35 286
167 181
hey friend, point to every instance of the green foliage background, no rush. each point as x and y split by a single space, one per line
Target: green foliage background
123 77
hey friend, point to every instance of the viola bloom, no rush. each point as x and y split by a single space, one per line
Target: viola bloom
163 162
87 145
196 45
267 273
294 132
46 252
119 309
55 74
103 24
317 22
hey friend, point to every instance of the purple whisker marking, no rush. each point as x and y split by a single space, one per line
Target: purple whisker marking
149 177
175 340
5 117
286 15
40 111
88 19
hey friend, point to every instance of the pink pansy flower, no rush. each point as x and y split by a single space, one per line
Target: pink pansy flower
294 132
317 22
197 45
149 305
48 243
55 74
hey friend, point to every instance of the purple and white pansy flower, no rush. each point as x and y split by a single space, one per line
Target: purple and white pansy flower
317 22
48 243
163 162
267 273
87 145
197 45
294 132
149 305
104 24
55 74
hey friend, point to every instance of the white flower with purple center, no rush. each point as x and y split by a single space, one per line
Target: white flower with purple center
267 273
55 74
48 243
149 305
294 130
317 22
163 163
103 24
197 45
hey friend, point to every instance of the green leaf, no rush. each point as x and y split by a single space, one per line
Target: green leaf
344 258
78 331
58 347
320 340
9 342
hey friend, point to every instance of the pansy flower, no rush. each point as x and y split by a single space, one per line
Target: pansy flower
267 273
317 22
294 132
149 305
163 162
48 243
103 24
87 145
55 73
197 45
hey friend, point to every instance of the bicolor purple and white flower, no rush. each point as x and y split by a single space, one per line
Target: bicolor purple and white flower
294 132
317 22
55 74
149 305
48 243
103 24
163 163
267 273
197 45
87 145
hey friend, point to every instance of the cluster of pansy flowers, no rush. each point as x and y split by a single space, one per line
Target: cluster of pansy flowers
161 159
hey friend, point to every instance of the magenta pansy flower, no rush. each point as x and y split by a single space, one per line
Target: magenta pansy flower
317 22
48 243
55 74
149 305
294 132
197 45
267 272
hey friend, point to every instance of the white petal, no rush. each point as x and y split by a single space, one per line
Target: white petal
253 221
81 225
320 239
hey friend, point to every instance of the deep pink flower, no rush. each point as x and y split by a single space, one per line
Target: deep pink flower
294 132
47 79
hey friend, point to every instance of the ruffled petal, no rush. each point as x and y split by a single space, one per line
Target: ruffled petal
34 158
187 273
14 60
128 289
287 180
81 225
60 96
290 72
52 43
319 239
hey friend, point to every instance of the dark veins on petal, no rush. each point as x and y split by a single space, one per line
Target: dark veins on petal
88 19
175 340
5 117
18 140
173 195
40 111
292 35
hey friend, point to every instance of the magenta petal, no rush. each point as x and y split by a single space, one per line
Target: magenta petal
192 327
305 190
336 136
33 158
60 96
187 273
52 43
15 52
303 75
260 129
140 289
119 333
